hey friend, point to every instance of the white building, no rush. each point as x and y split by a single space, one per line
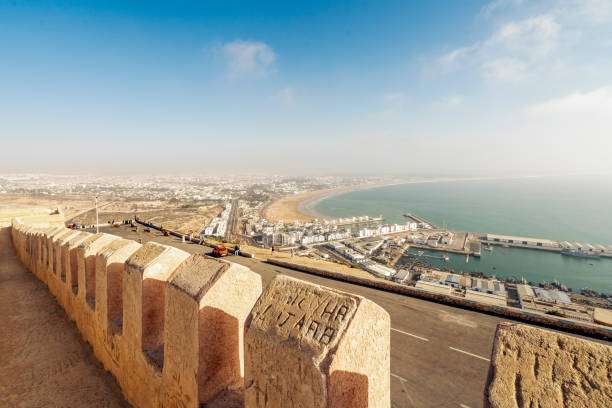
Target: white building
378 269
447 238
434 287
522 241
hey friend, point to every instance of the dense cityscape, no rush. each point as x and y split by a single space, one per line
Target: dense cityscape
237 211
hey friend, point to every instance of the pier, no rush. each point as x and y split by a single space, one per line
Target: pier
542 244
420 254
420 220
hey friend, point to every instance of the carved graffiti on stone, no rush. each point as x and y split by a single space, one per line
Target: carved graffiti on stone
305 312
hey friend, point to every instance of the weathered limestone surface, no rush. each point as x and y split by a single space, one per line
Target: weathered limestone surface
538 368
85 254
43 267
171 327
110 267
43 361
207 305
144 287
69 282
51 238
38 252
310 346
55 283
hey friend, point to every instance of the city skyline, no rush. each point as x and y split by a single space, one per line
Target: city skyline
355 88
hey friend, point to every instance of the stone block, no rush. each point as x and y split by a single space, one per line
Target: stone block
85 254
68 276
44 251
145 280
50 247
207 304
533 367
110 266
311 346
55 283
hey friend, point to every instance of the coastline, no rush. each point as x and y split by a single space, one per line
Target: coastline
306 207
301 207
294 207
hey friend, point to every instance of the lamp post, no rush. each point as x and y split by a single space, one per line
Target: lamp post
97 220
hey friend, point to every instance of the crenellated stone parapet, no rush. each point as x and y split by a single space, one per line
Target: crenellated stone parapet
181 330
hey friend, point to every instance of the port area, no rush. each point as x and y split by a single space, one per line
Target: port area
388 262
419 220
454 242
577 249
473 243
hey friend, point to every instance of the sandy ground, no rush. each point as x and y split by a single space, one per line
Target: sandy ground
44 362
67 205
288 208
185 220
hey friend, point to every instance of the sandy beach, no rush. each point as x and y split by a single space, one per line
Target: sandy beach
300 207
291 208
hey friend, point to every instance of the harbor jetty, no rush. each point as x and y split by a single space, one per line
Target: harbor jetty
548 245
420 220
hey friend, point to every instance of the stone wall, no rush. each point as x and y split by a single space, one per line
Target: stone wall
180 330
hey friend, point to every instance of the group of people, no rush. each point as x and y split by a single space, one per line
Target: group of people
272 250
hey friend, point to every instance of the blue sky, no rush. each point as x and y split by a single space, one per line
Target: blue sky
385 87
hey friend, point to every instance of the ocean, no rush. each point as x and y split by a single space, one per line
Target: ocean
573 208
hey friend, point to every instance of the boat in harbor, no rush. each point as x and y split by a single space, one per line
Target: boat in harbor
424 255
579 253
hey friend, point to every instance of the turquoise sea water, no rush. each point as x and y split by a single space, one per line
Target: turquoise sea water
576 208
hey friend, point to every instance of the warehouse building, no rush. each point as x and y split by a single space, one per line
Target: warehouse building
522 241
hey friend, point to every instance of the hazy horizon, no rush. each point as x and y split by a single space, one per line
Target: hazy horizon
355 88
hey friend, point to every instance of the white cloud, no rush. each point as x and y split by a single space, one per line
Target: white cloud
579 122
394 98
393 105
595 104
534 36
497 5
456 56
505 69
582 12
286 96
516 49
531 40
452 100
248 58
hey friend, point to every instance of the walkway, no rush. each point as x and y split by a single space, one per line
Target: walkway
43 360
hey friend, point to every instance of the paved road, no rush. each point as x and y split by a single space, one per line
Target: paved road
439 354
232 222
43 360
